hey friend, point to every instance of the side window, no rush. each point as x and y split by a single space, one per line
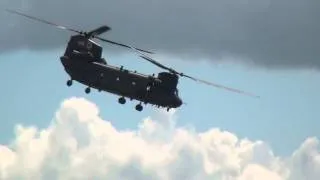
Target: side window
80 43
89 45
85 44
176 92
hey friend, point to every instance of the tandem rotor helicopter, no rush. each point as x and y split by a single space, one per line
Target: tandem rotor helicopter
83 62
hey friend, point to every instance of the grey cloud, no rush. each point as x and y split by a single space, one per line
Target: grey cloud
269 33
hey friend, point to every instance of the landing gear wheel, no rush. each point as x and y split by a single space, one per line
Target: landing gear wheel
87 90
139 107
69 83
122 100
168 109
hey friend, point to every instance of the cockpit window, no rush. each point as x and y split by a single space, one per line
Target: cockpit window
81 43
176 92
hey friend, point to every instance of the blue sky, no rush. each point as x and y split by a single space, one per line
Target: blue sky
34 85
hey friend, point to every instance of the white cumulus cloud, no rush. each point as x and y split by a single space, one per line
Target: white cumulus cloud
78 144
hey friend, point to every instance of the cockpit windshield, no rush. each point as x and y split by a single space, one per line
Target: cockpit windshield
176 92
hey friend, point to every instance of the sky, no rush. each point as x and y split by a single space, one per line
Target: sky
231 135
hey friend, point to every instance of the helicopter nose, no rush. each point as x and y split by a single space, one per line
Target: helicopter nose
178 102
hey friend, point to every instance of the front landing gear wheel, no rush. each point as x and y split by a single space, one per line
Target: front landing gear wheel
69 83
139 107
87 90
122 100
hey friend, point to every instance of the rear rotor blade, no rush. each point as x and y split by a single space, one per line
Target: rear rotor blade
158 64
153 61
195 79
123 45
220 86
41 20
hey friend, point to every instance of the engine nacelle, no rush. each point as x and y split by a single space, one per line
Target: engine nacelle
169 81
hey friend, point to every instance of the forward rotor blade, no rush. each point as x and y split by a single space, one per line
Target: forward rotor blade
98 31
41 20
220 86
123 45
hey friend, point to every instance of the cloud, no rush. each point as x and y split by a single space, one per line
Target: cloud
78 144
268 33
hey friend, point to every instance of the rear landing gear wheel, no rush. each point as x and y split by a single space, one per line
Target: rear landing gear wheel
69 83
88 90
139 107
122 100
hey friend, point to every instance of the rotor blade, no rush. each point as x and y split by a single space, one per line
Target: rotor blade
195 79
41 20
220 86
158 64
98 31
154 61
123 45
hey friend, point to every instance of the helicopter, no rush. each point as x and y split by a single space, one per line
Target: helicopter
83 62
